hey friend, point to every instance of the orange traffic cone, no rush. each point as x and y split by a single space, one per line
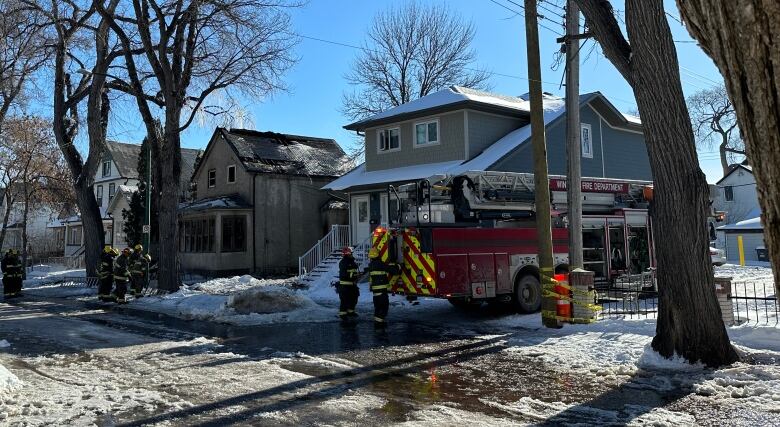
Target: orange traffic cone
563 306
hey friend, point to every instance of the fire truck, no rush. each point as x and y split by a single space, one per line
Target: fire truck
471 238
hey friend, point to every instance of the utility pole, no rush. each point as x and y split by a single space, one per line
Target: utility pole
541 180
573 152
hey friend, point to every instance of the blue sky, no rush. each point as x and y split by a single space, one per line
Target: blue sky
316 83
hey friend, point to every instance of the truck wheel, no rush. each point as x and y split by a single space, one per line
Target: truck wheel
465 304
528 294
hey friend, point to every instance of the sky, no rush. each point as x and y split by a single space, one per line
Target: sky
316 83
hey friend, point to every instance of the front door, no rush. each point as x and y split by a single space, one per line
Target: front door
361 227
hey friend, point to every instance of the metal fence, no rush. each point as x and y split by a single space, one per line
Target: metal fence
750 301
92 282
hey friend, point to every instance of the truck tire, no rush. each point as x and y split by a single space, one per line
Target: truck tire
528 294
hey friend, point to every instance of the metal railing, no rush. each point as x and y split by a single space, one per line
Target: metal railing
754 301
631 296
69 262
360 252
338 237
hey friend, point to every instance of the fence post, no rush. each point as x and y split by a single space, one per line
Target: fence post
723 292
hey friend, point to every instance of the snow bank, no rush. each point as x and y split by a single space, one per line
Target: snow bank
8 381
240 300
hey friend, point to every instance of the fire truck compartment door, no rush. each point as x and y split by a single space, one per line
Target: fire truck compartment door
503 283
453 272
481 268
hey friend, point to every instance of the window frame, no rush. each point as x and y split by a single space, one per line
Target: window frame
103 170
99 195
111 191
211 182
229 168
427 123
728 190
229 243
197 235
388 130
589 154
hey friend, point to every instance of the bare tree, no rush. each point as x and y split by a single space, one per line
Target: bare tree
39 168
23 50
411 51
715 123
192 50
689 318
742 37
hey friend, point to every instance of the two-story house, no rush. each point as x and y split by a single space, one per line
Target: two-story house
735 194
459 129
259 203
117 175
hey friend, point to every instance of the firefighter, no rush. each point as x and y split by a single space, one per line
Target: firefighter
138 263
12 274
106 273
348 289
379 279
121 276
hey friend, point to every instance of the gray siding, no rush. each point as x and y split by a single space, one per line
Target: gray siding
219 158
750 241
625 156
451 144
288 221
485 129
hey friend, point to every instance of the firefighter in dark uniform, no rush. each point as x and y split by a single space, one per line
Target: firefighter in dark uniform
379 279
121 275
348 289
106 273
138 263
12 274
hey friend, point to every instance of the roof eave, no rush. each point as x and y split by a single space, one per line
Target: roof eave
476 105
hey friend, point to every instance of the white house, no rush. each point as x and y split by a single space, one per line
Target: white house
735 194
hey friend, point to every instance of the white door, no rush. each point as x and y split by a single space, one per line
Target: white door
383 210
360 219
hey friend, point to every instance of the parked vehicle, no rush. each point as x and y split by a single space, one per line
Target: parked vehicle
718 256
472 238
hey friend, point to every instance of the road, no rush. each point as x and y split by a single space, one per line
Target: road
83 363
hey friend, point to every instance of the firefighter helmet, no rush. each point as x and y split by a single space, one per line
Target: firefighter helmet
346 251
373 253
126 251
139 248
108 249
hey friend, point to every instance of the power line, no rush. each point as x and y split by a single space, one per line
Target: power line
702 77
554 4
352 46
521 14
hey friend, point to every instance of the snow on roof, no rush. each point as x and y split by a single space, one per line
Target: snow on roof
632 119
452 95
127 188
359 176
748 224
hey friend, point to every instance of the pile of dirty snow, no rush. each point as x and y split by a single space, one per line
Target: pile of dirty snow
242 300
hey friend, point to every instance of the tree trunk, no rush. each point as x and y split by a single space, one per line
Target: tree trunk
7 214
25 215
742 37
724 163
170 156
689 317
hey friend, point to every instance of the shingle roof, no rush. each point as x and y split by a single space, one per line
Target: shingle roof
125 157
270 152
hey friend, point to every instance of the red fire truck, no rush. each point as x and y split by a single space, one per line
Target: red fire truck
471 238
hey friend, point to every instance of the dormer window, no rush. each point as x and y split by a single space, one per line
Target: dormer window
107 168
426 133
389 140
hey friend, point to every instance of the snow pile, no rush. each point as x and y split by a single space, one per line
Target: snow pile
240 300
8 381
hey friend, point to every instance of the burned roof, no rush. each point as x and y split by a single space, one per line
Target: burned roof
271 152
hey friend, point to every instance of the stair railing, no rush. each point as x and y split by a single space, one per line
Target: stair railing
337 237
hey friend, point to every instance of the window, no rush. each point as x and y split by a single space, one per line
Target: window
231 174
197 235
212 178
427 133
389 139
107 168
362 211
111 191
729 193
99 195
587 141
74 237
233 234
